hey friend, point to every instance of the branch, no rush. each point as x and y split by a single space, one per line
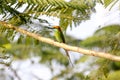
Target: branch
13 70
62 45
15 73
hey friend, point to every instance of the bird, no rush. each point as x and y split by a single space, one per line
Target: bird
58 33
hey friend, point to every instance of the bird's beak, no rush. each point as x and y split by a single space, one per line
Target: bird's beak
50 27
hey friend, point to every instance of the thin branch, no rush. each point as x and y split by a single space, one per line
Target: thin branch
13 70
15 73
62 45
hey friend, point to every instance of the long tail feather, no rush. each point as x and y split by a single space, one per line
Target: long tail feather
69 57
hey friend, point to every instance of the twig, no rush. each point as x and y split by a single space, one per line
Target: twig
15 73
13 70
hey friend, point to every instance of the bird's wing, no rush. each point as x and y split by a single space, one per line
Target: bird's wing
62 36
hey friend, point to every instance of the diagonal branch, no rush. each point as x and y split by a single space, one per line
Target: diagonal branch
62 45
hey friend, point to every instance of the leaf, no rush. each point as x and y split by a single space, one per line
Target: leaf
107 2
110 2
114 75
7 46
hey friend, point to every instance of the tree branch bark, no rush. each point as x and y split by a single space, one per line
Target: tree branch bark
62 45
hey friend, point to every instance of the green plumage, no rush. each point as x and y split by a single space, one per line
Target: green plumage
60 38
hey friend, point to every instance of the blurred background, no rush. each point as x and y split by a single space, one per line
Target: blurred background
89 24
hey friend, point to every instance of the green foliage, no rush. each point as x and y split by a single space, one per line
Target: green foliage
52 55
102 72
108 30
82 59
69 12
113 75
110 3
3 40
17 20
105 37
74 11
107 2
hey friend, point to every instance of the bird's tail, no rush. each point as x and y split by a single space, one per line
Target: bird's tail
69 57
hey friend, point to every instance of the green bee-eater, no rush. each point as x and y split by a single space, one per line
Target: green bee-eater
60 38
